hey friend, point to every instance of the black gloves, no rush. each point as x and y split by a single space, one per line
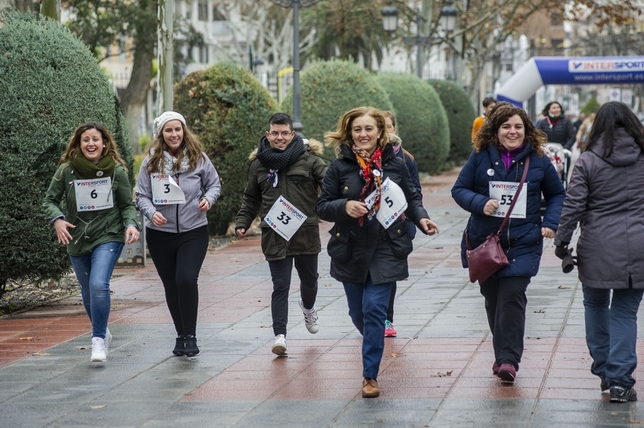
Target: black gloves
561 250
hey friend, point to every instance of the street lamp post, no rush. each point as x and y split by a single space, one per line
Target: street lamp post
296 4
390 24
448 14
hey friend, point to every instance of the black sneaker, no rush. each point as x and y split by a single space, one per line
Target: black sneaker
619 394
191 346
180 346
605 387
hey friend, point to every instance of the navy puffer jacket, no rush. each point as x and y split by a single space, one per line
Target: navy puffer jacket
521 239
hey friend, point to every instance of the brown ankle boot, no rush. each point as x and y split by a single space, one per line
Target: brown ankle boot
370 388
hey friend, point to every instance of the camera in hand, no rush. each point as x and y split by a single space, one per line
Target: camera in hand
568 262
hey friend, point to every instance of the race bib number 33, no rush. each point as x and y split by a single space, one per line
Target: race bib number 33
284 218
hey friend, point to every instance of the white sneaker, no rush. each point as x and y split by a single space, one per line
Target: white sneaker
279 347
99 354
310 318
108 340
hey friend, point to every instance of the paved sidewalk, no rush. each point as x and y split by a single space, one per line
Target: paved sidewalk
436 373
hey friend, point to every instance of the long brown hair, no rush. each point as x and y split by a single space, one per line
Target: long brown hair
191 144
489 132
74 146
342 135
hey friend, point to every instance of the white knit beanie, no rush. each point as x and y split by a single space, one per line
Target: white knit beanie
167 116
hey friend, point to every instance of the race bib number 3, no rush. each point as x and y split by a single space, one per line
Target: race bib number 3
284 218
504 191
94 194
165 191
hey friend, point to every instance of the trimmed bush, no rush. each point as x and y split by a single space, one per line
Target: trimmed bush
328 90
460 115
50 83
228 109
421 121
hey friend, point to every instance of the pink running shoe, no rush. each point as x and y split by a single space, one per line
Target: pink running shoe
390 331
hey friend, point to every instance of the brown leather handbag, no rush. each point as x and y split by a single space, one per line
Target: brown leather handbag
489 257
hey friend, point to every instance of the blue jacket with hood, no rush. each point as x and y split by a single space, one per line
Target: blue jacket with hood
521 239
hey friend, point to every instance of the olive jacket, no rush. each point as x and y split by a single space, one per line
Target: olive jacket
298 184
93 228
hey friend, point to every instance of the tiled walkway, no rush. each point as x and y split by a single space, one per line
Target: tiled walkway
436 373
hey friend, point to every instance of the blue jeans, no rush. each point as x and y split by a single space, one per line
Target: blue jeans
367 309
611 333
93 272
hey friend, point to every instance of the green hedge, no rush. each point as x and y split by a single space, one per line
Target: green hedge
49 84
331 88
229 110
460 114
421 121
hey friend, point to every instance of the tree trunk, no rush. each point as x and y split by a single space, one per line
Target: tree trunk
135 95
24 5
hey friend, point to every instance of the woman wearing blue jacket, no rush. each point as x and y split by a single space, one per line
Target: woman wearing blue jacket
501 147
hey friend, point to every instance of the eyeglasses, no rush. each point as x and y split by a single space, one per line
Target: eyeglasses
284 134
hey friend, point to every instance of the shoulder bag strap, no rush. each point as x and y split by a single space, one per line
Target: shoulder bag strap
516 195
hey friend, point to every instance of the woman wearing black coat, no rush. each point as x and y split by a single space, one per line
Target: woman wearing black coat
365 192
557 126
606 199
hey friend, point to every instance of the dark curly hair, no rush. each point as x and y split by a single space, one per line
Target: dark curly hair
488 134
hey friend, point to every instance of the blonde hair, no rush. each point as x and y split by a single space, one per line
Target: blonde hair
342 135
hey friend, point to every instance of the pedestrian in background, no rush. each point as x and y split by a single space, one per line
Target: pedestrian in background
284 178
557 126
501 148
488 104
176 187
98 216
606 199
364 190
410 162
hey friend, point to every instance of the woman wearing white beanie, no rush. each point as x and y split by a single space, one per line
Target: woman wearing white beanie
177 185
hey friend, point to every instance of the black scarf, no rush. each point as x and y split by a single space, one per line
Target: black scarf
276 159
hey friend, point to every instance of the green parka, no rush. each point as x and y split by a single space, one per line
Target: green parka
299 184
93 228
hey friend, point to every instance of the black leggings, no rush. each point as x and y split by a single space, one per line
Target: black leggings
178 258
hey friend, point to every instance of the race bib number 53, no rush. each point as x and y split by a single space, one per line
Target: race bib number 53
504 192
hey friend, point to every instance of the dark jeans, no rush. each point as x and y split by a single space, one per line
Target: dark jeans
367 309
178 258
411 231
505 304
611 333
307 270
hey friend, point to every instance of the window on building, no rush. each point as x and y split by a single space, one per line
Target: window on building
202 11
556 19
216 14
188 7
557 46
203 53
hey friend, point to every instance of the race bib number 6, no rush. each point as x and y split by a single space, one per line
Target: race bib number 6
94 194
284 218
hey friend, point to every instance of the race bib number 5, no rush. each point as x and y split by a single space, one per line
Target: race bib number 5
284 218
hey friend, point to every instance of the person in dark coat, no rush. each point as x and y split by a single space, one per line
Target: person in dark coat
557 126
365 191
410 162
501 147
606 199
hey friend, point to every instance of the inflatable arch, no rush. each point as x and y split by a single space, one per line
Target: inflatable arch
539 71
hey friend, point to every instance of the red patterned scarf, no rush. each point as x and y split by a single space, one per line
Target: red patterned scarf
371 172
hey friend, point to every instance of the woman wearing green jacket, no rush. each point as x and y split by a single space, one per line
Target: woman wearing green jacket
89 203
